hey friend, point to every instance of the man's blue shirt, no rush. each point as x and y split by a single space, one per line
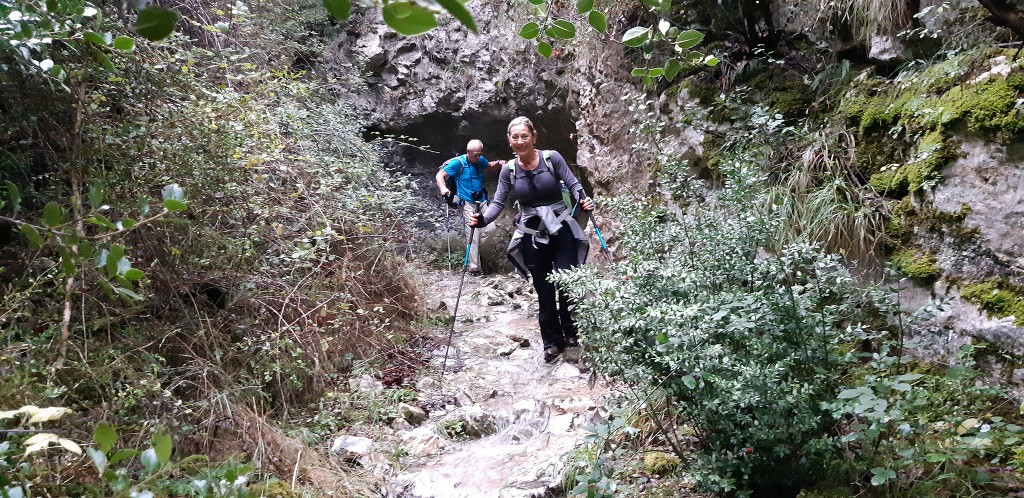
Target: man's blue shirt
469 177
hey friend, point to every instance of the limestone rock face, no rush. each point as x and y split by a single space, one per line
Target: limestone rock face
449 85
990 181
984 187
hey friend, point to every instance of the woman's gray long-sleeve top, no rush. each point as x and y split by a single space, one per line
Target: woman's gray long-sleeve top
540 196
539 187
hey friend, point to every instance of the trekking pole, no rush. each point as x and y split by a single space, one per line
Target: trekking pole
458 297
448 230
604 246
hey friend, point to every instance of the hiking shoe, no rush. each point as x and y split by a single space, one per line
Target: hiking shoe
476 273
572 342
550 353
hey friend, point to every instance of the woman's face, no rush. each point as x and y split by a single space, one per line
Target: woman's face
521 139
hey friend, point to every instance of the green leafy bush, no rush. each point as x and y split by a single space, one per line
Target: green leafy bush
789 371
741 339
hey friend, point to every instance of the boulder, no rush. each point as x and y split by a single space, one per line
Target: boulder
352 446
412 414
436 304
365 383
421 442
427 384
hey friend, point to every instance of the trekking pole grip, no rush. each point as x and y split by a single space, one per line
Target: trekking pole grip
472 232
590 214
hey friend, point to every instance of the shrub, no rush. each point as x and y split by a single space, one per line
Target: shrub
789 371
738 337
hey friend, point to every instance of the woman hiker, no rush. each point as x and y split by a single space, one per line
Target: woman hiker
546 237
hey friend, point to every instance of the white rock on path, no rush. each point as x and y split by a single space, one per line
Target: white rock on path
352 445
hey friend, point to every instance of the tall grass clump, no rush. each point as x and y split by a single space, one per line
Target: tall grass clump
867 17
821 201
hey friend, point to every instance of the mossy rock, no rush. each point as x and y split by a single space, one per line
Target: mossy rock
713 154
876 151
791 98
891 183
933 152
705 92
998 297
783 91
1016 81
927 104
916 264
988 108
930 104
660 463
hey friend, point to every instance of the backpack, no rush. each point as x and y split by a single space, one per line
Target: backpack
450 183
546 154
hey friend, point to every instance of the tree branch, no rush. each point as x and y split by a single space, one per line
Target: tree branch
102 236
1005 15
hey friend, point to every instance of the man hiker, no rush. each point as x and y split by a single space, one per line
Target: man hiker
468 171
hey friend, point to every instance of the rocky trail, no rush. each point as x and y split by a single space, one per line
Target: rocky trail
500 422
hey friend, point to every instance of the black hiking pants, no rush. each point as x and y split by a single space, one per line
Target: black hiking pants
556 323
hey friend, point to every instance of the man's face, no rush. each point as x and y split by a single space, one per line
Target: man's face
474 154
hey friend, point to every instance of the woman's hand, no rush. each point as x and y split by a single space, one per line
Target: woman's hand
474 220
587 203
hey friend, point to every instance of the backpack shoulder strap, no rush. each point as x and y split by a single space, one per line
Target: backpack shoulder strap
546 154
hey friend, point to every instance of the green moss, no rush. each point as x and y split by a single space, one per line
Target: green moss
987 108
891 183
660 463
898 226
1016 81
705 93
997 297
885 111
877 150
790 97
932 153
714 153
916 264
782 90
